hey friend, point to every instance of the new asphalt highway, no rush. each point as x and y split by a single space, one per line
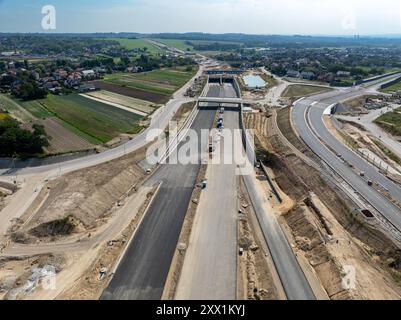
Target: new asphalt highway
307 117
143 270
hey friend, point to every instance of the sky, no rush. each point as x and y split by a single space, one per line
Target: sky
309 17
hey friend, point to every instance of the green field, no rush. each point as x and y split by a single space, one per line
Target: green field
296 91
383 69
163 81
391 122
138 44
36 108
98 120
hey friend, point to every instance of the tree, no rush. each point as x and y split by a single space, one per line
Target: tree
14 140
29 90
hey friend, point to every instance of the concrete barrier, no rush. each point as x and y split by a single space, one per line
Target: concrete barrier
272 186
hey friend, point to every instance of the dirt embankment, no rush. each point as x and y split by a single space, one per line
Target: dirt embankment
309 238
183 111
80 201
6 189
91 283
2 200
374 256
354 106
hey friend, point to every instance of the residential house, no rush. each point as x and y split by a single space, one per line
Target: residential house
343 73
308 75
293 74
89 74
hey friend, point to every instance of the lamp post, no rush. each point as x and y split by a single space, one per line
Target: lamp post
14 157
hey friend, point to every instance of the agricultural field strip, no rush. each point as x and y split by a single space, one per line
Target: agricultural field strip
135 103
126 101
15 109
160 81
142 85
34 110
91 117
113 104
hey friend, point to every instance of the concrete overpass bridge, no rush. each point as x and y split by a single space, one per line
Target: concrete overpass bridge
220 79
219 101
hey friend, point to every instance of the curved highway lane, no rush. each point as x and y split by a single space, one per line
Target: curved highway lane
307 117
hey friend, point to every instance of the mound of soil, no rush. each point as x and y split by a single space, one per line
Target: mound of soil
61 227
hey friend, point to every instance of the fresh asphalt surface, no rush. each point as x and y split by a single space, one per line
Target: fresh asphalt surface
291 275
143 270
303 113
210 267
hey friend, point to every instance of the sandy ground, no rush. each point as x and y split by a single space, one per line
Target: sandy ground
15 272
364 140
367 122
86 195
79 277
18 203
103 201
350 252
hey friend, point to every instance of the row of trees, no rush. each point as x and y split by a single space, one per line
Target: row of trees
17 141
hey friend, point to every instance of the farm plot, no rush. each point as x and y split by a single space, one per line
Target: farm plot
100 121
36 108
144 107
163 81
132 92
15 109
62 139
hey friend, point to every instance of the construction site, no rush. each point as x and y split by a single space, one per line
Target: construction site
81 228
